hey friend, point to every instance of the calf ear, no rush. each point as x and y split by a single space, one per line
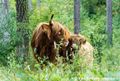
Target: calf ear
51 22
82 41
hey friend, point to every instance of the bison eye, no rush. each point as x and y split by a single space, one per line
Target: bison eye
59 33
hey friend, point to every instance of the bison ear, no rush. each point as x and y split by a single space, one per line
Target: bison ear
45 29
51 22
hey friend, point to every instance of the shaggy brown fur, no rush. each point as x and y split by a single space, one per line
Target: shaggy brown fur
42 42
86 52
44 38
68 49
85 49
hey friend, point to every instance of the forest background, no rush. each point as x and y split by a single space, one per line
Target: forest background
93 25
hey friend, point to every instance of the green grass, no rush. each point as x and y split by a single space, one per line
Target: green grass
31 71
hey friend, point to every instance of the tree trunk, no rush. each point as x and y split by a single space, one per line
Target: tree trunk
109 21
5 6
76 16
30 5
22 10
38 3
22 30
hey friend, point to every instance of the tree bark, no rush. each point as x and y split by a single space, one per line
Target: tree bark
5 6
76 16
109 21
30 5
22 30
22 10
38 3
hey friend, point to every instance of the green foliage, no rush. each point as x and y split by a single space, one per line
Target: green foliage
8 37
